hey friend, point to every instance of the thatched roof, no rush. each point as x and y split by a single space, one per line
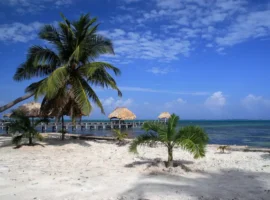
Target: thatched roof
122 114
164 115
31 109
7 115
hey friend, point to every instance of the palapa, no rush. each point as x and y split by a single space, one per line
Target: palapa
7 115
164 115
122 114
31 109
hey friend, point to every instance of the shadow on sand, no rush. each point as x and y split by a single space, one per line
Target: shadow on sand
59 142
158 162
266 156
230 184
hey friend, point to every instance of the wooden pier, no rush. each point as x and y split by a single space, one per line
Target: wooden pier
55 127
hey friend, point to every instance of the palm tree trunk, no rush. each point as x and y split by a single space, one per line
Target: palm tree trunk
170 156
63 134
12 103
30 139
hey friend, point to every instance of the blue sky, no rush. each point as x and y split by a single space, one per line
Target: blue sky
202 59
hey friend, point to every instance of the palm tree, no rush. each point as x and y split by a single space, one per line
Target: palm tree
190 138
68 64
120 136
22 124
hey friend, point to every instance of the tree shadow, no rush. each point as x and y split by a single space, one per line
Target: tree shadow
28 145
227 184
156 162
266 156
59 142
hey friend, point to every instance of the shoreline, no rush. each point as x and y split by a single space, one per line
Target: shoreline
73 137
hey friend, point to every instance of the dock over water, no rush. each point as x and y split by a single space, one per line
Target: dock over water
96 125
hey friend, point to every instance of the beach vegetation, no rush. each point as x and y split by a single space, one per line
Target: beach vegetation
21 127
190 138
120 136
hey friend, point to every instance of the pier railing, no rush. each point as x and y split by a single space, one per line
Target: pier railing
54 127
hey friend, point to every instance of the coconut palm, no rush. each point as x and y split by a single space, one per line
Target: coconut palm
190 138
21 126
69 63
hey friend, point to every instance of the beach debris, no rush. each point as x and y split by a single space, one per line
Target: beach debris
223 148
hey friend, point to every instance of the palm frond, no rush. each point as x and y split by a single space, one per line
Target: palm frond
91 94
159 128
43 56
50 34
17 139
148 139
53 83
171 127
192 139
81 94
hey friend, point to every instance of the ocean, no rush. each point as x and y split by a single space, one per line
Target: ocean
228 132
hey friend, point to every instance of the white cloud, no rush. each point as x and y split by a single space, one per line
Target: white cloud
140 89
250 26
147 45
159 70
175 103
18 32
34 6
216 100
253 102
113 103
220 23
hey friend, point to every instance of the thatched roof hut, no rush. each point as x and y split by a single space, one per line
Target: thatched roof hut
31 109
7 115
122 114
164 115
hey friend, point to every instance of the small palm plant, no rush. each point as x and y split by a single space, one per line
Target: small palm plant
223 148
190 138
22 124
120 137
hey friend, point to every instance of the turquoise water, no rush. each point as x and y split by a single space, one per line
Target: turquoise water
229 132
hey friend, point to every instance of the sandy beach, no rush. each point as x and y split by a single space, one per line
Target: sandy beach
101 170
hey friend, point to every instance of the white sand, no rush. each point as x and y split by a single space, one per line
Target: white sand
101 170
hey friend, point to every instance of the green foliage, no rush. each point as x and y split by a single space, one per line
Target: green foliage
119 135
190 138
68 68
21 127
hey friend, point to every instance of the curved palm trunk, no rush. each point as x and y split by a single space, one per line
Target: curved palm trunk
12 103
170 156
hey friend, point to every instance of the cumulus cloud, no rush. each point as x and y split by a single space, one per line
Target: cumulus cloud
253 102
18 32
113 103
175 103
216 100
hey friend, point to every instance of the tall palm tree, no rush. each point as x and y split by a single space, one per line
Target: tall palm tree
22 124
190 138
69 63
